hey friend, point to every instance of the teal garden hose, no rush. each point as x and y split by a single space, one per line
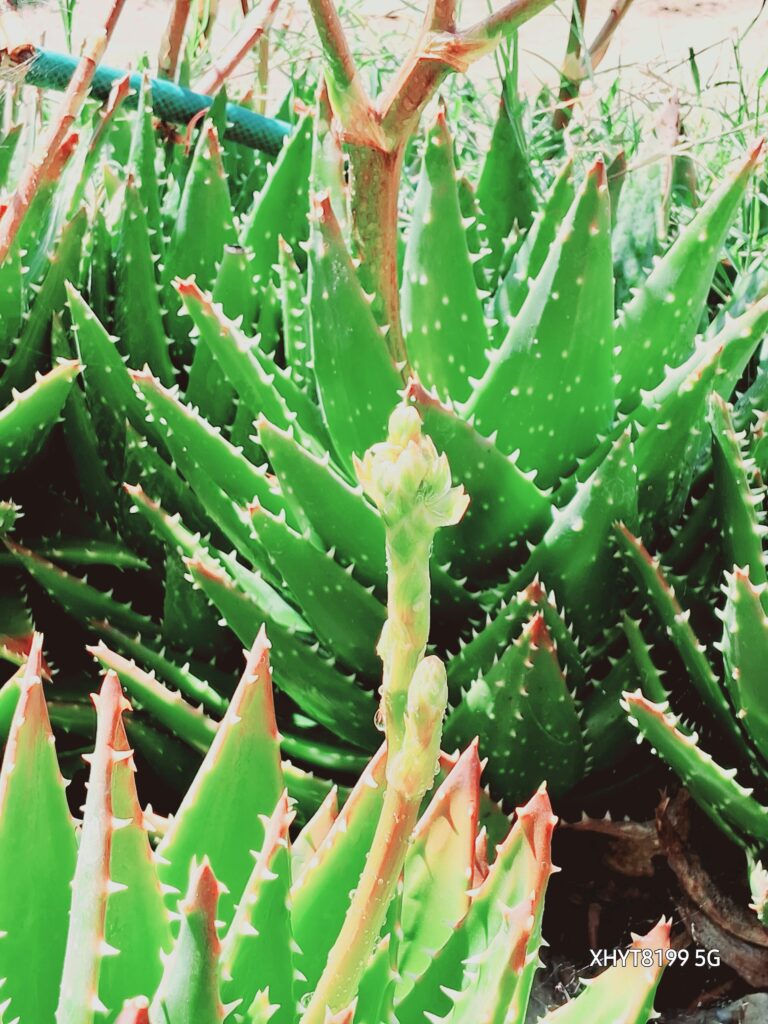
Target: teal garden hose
170 102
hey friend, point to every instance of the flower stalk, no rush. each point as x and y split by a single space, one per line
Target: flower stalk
411 486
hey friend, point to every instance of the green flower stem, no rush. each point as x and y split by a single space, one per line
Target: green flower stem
348 958
411 485
405 633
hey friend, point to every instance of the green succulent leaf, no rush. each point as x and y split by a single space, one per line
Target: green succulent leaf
523 709
257 950
649 575
548 390
745 646
139 324
658 325
35 875
29 354
442 313
623 994
239 781
739 501
344 615
357 383
27 421
505 505
189 990
715 789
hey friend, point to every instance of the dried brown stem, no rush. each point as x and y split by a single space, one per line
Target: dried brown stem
377 135
439 52
58 131
173 39
246 38
602 41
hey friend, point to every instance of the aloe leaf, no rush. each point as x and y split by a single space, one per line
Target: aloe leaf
11 301
529 259
137 926
623 994
505 190
189 990
263 387
490 641
77 597
192 726
320 498
179 676
295 316
235 291
108 385
548 389
520 872
311 837
8 147
357 383
438 868
139 324
492 990
658 325
79 1002
607 734
33 804
166 706
321 895
27 421
99 260
197 445
505 505
201 230
662 598
574 558
29 353
442 313
257 950
142 161
256 592
344 615
651 684
745 645
669 442
523 709
241 770
90 470
313 682
188 621
738 500
715 789
282 206
377 986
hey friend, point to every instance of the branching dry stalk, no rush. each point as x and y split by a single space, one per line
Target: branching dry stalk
173 39
376 132
578 66
47 154
250 33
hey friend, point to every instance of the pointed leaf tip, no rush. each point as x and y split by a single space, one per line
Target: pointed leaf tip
136 1011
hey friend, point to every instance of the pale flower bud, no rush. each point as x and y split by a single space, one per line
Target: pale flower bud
404 475
414 768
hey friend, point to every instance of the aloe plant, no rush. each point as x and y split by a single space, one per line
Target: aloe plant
224 915
724 768
234 402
